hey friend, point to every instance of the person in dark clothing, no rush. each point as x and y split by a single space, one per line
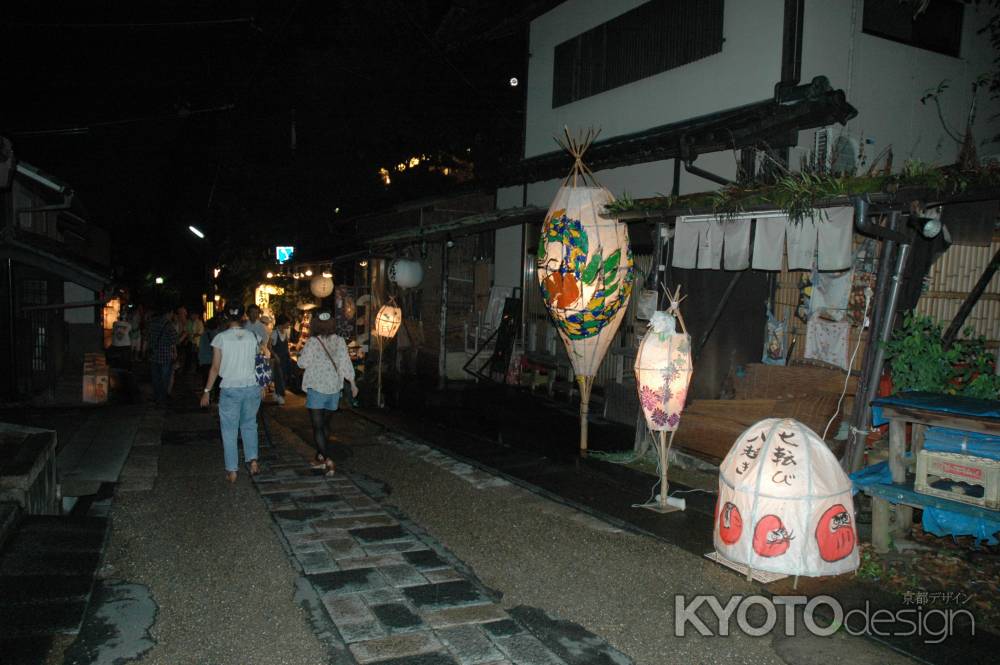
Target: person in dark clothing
281 359
162 354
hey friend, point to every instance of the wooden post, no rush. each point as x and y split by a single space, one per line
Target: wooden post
585 382
897 449
880 525
664 485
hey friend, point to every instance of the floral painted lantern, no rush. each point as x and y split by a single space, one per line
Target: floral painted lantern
663 371
785 505
584 268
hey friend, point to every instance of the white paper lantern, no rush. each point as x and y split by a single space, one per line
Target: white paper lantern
387 321
663 371
785 505
406 273
321 286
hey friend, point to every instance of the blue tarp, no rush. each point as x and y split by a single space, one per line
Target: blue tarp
961 406
947 440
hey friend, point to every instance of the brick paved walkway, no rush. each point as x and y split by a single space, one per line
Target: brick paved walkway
395 596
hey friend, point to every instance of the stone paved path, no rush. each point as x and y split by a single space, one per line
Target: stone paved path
394 596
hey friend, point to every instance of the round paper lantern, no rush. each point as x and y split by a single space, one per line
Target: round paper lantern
321 286
584 268
387 321
663 371
785 505
406 273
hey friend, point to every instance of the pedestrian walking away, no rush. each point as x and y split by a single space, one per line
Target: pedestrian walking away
162 354
234 353
327 365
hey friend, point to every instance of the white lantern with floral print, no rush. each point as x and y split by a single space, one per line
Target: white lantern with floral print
663 372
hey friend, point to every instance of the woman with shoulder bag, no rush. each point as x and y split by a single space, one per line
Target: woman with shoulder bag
234 355
327 365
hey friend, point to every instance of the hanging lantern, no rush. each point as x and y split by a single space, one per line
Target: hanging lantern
387 321
321 286
406 273
663 371
785 505
584 267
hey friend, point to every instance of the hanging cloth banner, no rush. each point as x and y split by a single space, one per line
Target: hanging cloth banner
585 271
703 241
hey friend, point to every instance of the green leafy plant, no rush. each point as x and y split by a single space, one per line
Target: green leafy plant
920 361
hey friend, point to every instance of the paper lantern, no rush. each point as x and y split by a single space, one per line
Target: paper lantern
584 268
321 286
785 505
406 273
663 371
387 321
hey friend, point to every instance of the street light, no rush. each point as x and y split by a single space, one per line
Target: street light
195 230
158 280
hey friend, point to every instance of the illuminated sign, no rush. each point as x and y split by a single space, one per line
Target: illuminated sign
283 254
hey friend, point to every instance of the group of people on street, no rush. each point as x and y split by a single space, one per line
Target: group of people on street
237 349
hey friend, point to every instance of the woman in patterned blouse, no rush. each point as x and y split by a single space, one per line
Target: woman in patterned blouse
327 365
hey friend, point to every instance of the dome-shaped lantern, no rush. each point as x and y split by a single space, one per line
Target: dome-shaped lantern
584 267
321 286
406 273
785 505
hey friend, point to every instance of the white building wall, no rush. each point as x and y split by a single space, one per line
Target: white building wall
744 72
885 80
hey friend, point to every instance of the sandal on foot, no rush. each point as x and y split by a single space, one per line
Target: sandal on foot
318 462
331 469
231 476
254 467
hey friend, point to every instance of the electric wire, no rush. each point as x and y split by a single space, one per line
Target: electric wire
850 364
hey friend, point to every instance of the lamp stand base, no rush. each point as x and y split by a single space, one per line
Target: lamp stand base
658 507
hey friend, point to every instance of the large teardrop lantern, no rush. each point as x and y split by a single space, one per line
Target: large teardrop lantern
584 267
785 505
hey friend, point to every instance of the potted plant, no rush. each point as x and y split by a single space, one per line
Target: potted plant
919 361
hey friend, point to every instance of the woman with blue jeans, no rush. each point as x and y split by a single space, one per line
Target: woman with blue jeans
234 353
327 365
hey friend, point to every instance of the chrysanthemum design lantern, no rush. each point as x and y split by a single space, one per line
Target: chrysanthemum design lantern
785 505
663 371
585 271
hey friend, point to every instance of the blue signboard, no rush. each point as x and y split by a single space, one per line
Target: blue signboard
282 254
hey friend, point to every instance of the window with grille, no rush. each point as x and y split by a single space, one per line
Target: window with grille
938 28
34 292
39 347
654 37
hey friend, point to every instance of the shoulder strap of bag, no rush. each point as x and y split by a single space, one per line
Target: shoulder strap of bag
334 362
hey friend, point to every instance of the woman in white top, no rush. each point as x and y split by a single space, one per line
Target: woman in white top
234 353
327 365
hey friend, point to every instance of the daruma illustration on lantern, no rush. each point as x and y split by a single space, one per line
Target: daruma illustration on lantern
406 273
321 286
785 505
387 321
585 272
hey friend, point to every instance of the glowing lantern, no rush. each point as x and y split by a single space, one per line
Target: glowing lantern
584 267
387 321
321 286
406 273
785 505
663 371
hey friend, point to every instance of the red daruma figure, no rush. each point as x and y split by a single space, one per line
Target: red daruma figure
785 505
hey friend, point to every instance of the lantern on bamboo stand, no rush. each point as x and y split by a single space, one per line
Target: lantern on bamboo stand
387 323
663 371
585 271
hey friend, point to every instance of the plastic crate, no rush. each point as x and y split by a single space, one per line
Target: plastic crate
934 466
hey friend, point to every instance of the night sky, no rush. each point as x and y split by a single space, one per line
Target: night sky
164 113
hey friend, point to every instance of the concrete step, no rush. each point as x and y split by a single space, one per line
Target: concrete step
47 570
